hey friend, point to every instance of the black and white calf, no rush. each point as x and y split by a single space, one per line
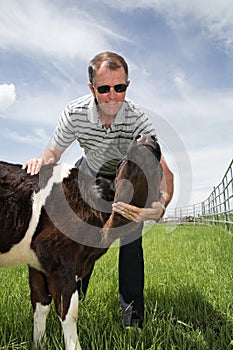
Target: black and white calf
59 222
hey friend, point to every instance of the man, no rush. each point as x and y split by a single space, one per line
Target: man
104 123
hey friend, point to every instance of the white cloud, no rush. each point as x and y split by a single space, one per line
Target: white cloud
182 101
209 166
43 108
37 136
7 96
209 114
215 17
44 29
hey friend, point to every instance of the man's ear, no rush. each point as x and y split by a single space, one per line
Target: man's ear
91 87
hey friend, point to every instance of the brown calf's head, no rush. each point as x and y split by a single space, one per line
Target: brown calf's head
137 183
139 173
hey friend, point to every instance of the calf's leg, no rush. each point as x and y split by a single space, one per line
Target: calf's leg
69 325
41 300
65 295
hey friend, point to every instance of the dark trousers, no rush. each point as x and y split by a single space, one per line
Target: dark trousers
131 281
131 274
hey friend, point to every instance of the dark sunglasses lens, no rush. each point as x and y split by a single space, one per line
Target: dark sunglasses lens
120 87
104 89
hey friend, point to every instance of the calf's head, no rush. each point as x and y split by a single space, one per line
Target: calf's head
137 183
139 173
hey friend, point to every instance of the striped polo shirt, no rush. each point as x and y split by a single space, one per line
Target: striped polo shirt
103 148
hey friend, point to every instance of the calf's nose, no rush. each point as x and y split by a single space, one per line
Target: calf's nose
146 139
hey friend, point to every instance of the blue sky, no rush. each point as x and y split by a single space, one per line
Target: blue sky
180 55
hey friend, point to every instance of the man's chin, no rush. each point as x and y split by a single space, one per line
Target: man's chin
111 111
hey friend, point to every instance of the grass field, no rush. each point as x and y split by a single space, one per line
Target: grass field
188 297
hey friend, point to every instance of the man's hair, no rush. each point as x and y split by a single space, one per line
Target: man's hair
113 62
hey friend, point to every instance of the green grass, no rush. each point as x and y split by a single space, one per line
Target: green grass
188 297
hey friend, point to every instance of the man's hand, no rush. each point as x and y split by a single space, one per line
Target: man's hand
49 156
136 214
34 165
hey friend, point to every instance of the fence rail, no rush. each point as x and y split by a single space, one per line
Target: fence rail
216 209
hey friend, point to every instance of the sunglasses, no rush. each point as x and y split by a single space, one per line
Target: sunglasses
104 89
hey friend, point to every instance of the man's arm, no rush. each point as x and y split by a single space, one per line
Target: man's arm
157 208
50 155
167 184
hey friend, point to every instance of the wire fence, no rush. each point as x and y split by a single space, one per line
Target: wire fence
217 209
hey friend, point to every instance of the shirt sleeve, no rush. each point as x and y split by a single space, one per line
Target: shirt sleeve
143 124
64 134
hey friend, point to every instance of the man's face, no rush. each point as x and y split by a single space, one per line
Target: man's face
111 101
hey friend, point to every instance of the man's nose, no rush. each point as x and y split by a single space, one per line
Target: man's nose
112 92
